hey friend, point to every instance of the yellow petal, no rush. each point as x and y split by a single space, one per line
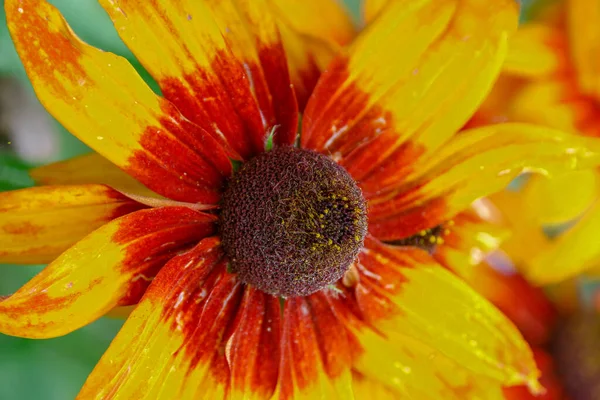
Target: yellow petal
571 254
407 84
99 97
536 50
365 388
404 292
562 198
527 237
474 164
38 224
407 368
416 371
475 233
327 20
584 40
370 9
172 345
221 63
469 250
111 266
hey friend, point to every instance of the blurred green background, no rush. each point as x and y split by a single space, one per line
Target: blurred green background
49 369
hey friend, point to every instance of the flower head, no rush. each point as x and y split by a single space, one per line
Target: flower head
204 247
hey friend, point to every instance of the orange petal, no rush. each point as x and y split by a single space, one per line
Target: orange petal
172 345
99 97
38 224
111 266
221 63
393 295
315 353
312 31
408 83
584 41
465 247
474 164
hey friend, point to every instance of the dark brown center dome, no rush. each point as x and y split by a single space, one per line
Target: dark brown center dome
292 222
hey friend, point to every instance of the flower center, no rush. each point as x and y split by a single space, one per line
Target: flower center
577 355
292 221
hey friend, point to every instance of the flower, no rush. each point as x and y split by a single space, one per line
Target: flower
380 124
551 78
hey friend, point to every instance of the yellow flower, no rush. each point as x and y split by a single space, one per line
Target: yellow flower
245 248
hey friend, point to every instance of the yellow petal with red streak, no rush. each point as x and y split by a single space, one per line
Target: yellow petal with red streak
408 83
221 63
93 168
38 224
474 164
172 345
109 267
88 168
315 353
313 32
253 350
403 292
584 41
99 97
